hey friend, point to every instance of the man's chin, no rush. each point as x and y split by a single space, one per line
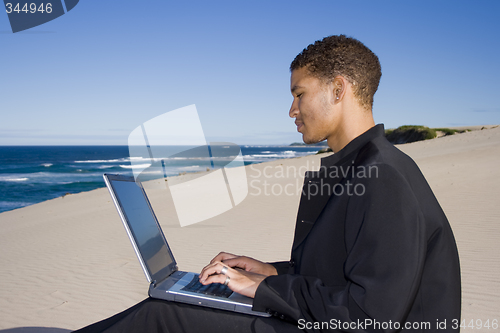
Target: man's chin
309 141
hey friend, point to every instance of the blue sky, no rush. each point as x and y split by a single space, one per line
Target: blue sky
96 73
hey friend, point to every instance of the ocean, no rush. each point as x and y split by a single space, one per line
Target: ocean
32 174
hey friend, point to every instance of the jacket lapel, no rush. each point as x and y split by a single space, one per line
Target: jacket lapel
316 191
318 186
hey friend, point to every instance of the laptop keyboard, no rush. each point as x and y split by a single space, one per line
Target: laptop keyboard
214 289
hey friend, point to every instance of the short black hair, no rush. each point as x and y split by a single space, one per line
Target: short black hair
345 56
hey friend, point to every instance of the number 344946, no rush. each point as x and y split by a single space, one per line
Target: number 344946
28 8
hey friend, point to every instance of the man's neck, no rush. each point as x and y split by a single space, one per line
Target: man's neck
355 124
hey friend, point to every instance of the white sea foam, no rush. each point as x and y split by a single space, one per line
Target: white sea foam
267 155
102 167
13 179
137 166
119 160
177 158
50 177
14 204
47 165
224 158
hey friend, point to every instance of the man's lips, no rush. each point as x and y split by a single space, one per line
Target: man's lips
299 125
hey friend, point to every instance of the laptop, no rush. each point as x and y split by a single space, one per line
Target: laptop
157 261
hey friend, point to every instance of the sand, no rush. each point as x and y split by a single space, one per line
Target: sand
67 262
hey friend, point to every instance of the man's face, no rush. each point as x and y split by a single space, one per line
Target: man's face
312 106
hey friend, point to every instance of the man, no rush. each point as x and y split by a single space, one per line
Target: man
383 251
372 250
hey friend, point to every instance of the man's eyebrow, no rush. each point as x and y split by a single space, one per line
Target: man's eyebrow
294 88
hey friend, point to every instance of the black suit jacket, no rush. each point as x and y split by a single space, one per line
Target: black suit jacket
371 244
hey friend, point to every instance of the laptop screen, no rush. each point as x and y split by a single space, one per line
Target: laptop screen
144 228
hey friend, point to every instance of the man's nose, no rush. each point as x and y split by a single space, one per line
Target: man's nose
294 110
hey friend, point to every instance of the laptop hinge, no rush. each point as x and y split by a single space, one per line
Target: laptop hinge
154 283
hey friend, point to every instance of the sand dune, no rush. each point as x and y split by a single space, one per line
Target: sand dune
67 262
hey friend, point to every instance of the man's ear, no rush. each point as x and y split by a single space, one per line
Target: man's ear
339 87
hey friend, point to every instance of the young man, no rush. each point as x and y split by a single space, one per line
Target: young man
372 244
373 250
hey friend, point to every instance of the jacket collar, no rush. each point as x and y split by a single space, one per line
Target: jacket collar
353 146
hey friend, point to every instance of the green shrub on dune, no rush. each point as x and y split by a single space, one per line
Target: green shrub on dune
448 131
410 133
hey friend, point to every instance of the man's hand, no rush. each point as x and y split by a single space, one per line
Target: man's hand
243 274
245 263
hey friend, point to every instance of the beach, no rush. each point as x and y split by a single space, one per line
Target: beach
67 262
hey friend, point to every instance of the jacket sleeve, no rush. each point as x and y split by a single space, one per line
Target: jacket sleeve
386 246
282 267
